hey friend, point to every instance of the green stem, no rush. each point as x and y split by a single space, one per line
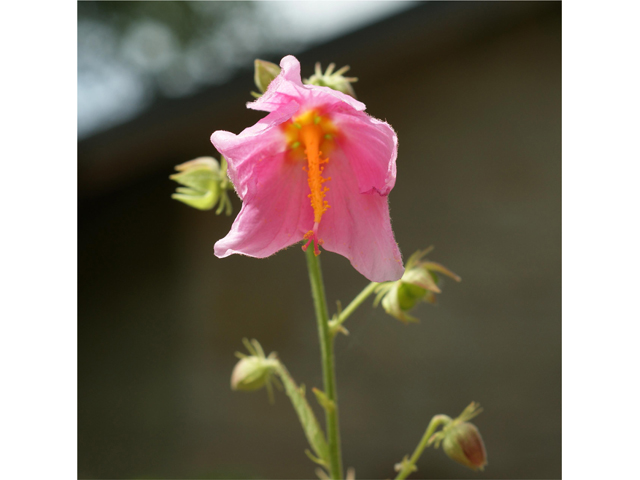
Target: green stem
408 466
328 367
355 303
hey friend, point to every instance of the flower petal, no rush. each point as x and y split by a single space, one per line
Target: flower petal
357 225
275 213
371 146
288 87
244 151
285 87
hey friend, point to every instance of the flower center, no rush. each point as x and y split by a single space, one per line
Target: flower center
310 132
311 136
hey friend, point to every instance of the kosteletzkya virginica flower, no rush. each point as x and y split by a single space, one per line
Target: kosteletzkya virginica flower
316 168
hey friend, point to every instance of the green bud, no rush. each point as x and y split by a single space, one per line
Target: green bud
419 283
331 79
251 373
264 74
205 184
254 371
396 301
409 295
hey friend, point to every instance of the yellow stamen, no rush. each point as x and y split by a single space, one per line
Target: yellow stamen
311 135
305 135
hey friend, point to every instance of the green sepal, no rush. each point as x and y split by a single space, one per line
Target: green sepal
334 80
196 199
204 184
436 267
264 73
201 178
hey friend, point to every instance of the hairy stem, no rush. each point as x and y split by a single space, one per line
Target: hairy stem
355 303
328 367
408 466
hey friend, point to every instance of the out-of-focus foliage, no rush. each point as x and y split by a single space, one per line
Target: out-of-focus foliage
130 53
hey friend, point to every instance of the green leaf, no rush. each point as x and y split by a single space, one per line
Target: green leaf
323 400
312 430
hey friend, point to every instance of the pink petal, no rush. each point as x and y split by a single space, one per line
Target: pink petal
275 213
287 87
244 151
371 146
282 99
357 225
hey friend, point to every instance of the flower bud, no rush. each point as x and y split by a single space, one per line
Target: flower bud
461 440
264 73
464 444
334 80
420 282
204 184
251 373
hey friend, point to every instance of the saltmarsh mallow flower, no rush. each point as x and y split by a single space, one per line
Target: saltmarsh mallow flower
316 168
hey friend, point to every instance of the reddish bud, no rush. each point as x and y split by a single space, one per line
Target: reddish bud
463 443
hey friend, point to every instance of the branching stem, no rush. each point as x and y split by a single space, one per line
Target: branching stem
355 303
408 466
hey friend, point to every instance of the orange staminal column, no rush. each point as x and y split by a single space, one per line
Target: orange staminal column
311 135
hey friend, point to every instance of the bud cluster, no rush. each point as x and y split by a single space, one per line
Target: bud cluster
335 80
265 72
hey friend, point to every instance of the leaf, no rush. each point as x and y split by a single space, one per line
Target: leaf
323 400
312 430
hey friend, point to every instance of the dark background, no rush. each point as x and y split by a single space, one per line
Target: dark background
474 92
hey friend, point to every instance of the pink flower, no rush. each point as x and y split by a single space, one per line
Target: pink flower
316 168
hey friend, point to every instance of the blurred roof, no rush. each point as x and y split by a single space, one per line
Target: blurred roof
173 130
132 53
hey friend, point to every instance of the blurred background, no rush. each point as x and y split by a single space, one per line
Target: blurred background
473 90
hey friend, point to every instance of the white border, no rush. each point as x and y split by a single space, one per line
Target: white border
600 241
38 350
